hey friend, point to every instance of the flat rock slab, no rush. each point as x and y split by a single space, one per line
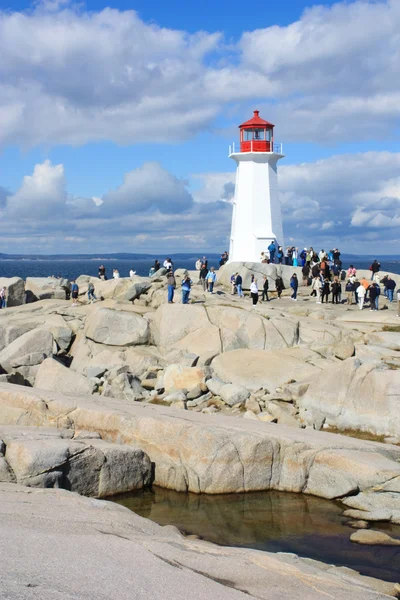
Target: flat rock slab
200 453
45 530
268 369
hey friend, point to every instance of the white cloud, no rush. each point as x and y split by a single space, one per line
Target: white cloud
148 189
345 199
72 76
41 195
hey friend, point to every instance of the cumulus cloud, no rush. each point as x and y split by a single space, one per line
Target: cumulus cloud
345 199
148 189
72 76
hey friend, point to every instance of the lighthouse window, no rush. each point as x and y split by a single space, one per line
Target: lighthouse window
259 134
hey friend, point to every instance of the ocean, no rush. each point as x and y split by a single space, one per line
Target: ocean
71 268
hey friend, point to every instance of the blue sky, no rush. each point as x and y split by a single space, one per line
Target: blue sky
115 120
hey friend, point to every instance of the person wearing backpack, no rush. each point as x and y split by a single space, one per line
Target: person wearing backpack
294 284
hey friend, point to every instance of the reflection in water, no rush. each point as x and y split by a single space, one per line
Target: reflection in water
273 521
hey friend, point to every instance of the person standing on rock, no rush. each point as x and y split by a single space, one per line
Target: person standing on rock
74 293
239 284
390 286
3 297
157 265
326 290
306 274
317 288
398 302
361 291
272 251
279 286
233 284
374 292
294 284
186 287
132 273
198 264
349 292
336 291
115 273
211 278
102 272
254 292
295 256
90 293
203 276
265 290
171 286
374 268
303 256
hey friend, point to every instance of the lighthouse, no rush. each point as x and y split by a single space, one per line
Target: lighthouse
257 214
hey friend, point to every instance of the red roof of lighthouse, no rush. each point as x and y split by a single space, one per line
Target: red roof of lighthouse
256 121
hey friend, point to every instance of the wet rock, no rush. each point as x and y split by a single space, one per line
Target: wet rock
373 538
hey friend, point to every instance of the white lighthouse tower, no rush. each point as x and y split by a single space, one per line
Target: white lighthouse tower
257 215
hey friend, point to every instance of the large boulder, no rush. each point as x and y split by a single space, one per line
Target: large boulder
362 396
27 352
255 369
180 329
15 290
92 467
117 328
13 325
52 375
42 288
244 329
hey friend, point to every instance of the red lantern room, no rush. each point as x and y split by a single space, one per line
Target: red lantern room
256 135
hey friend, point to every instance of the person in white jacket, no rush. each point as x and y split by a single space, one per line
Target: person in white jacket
317 287
254 291
361 296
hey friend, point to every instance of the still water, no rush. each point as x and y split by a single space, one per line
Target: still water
273 521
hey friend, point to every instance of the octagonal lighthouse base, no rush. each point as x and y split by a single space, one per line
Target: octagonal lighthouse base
257 214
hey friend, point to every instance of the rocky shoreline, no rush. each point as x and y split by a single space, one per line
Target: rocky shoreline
210 397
